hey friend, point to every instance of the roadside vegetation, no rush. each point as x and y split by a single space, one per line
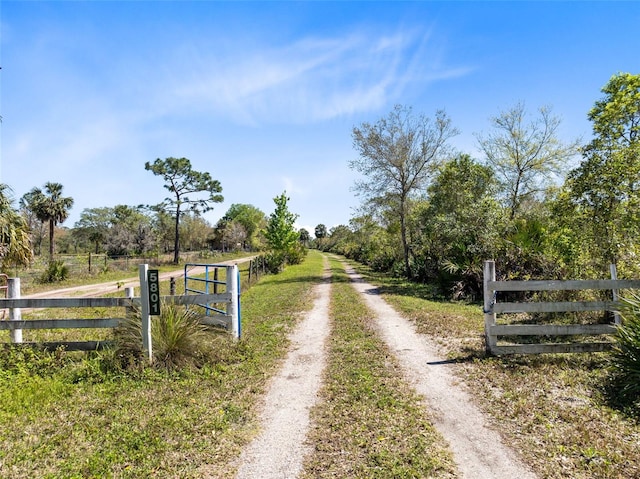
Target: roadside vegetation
541 207
557 410
69 415
429 218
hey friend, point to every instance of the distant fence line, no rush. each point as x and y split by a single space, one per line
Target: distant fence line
492 307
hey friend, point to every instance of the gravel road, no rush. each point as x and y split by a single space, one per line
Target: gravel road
277 452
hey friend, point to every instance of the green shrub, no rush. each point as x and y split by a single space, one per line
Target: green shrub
296 254
275 261
56 271
625 357
177 337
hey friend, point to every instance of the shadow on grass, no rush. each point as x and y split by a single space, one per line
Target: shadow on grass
274 279
458 360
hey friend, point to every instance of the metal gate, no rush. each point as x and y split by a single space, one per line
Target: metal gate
221 284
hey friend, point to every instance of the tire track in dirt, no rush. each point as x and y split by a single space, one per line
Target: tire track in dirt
279 450
478 450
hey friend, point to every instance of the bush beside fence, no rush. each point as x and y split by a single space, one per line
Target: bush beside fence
492 307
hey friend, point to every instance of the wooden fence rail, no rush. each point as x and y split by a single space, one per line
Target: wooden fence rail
492 308
16 324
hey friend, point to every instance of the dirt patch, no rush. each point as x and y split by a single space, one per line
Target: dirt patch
279 449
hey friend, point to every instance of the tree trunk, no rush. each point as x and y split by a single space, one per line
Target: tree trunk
405 241
176 244
52 226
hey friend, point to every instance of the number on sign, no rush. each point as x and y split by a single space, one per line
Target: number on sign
153 280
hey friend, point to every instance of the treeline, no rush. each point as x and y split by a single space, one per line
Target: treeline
138 230
122 230
434 215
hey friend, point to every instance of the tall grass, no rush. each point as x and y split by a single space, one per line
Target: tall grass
178 338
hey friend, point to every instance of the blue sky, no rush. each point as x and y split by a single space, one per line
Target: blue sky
264 95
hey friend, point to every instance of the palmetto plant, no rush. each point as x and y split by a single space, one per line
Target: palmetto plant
15 247
177 337
51 207
625 357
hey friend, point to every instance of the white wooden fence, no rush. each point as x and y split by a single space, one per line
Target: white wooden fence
14 303
494 331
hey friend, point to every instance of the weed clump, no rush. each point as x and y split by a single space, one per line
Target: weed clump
178 339
56 271
625 357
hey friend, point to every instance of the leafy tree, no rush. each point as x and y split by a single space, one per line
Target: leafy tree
459 226
94 225
15 247
181 181
304 236
397 155
35 226
321 231
195 232
130 231
281 235
51 207
525 155
252 219
605 189
163 227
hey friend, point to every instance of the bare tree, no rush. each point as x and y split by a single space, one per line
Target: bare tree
398 155
525 155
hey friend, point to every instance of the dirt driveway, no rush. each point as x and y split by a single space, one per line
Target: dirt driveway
277 452
90 290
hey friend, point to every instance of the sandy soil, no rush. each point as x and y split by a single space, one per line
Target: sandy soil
278 452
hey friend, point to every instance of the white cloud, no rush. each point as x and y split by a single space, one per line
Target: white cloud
312 79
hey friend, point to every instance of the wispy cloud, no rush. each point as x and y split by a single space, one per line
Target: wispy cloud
313 79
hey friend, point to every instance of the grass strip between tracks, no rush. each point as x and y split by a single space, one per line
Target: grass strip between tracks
369 423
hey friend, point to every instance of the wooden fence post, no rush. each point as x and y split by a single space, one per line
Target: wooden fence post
15 314
144 312
614 276
491 341
128 293
234 306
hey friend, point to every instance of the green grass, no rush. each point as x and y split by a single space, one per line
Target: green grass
553 408
65 416
369 423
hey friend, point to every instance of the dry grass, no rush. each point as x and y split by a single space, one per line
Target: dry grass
553 408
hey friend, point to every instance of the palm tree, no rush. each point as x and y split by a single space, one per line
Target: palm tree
50 206
15 247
